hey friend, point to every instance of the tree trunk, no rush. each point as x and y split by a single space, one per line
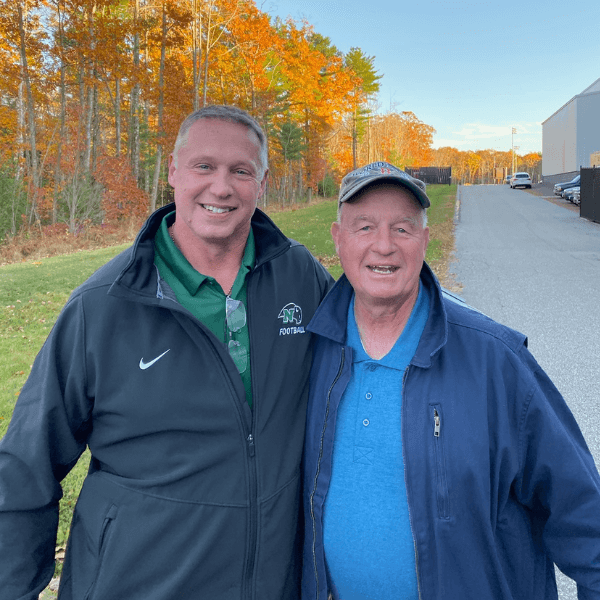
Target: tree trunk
87 155
196 52
161 101
20 133
135 97
354 140
95 127
118 117
61 136
81 121
89 120
34 180
206 53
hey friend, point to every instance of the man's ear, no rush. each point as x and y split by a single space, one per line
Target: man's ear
335 234
263 184
426 233
172 169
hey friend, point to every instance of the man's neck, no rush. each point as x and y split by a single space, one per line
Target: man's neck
380 324
221 261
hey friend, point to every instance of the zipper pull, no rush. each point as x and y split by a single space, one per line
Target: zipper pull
436 421
250 441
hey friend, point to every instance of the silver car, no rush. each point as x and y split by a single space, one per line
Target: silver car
520 180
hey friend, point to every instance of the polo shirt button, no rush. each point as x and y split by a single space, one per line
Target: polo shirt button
366 422
368 395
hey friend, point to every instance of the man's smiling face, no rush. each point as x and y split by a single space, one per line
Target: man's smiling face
217 177
381 243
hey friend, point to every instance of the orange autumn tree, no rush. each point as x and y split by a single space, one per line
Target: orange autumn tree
92 93
399 138
315 93
24 45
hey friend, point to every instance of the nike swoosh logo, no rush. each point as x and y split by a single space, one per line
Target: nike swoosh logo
146 365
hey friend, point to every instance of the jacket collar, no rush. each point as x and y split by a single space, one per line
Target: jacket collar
140 274
331 317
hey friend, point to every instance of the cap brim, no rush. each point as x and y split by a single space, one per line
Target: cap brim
412 187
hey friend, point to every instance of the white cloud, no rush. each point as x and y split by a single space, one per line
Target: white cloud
481 136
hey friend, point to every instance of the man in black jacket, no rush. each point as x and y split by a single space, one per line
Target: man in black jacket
183 365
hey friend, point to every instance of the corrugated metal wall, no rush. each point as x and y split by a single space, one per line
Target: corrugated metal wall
559 141
571 135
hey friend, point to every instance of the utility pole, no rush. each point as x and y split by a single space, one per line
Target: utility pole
513 149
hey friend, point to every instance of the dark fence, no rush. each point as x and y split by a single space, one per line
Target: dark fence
590 194
432 174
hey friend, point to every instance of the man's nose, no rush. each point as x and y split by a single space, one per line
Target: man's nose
383 243
221 183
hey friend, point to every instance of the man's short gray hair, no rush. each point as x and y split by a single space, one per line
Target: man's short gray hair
422 211
224 113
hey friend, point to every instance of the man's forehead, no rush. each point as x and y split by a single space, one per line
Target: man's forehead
383 201
379 215
204 128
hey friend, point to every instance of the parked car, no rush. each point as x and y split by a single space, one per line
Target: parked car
576 196
520 180
559 188
568 193
507 179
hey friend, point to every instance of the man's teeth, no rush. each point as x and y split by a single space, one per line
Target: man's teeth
216 209
383 269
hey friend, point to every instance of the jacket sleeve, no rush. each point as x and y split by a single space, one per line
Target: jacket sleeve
45 438
560 484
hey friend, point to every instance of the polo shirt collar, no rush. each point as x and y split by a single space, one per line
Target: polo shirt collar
393 359
183 270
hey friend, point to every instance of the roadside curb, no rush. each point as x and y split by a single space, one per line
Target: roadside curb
457 204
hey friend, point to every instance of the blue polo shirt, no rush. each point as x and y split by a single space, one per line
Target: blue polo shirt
367 537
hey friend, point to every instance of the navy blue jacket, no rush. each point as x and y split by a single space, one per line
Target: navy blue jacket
505 490
190 493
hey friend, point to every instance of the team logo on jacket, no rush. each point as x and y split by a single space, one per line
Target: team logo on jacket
291 313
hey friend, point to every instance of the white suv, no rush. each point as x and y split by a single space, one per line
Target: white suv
520 179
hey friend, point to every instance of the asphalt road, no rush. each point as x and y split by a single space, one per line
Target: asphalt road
535 266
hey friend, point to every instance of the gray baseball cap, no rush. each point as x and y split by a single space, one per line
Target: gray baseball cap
381 171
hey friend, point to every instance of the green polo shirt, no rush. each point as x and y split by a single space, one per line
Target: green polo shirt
202 295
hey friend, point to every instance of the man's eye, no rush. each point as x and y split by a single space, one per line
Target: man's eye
366 228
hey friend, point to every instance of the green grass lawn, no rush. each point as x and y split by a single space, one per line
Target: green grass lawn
32 294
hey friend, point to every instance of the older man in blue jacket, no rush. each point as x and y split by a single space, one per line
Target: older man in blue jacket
440 460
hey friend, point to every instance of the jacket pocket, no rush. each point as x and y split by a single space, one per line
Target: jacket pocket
441 479
105 531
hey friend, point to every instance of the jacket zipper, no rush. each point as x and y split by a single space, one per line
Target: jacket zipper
410 520
252 527
441 484
312 495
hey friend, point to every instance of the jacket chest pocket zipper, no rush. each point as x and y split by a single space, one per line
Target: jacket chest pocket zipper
440 462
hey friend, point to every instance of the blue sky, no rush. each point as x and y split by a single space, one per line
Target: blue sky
472 70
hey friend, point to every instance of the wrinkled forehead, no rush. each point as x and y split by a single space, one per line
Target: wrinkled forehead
383 199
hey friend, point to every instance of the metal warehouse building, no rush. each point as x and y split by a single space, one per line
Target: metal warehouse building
571 135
